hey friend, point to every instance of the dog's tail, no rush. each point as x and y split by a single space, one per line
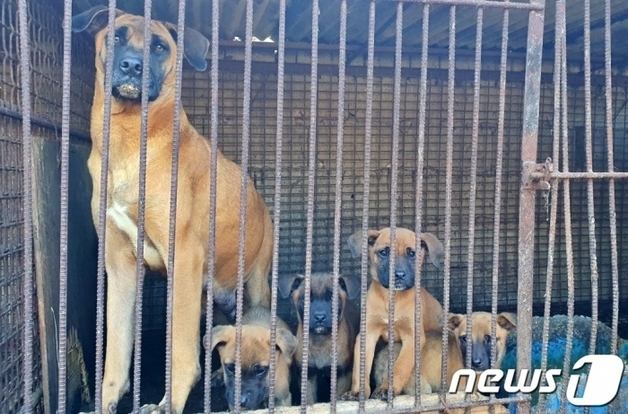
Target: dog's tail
257 287
435 248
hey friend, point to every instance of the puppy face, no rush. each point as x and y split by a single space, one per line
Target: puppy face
255 353
379 248
128 61
321 294
481 337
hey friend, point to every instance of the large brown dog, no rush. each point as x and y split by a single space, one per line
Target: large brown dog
320 327
377 318
255 359
192 213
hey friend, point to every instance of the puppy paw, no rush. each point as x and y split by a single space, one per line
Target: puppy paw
152 409
380 394
349 396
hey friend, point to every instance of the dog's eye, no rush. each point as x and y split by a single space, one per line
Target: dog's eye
487 338
463 339
260 370
384 252
410 252
116 39
159 48
230 368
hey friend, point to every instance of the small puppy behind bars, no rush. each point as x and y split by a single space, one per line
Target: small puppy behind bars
377 311
191 239
255 359
320 345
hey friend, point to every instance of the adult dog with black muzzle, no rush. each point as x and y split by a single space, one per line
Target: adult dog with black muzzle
191 241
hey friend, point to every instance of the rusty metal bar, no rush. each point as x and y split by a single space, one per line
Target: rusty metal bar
281 56
310 203
213 167
448 188
102 209
342 59
141 211
27 149
418 326
393 200
533 5
527 197
608 95
442 407
365 204
246 134
174 179
473 179
589 175
63 224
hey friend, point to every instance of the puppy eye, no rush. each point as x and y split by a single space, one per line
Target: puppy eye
487 338
260 370
116 39
463 339
384 252
230 368
410 252
159 48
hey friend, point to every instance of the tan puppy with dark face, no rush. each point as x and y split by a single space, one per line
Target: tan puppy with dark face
320 328
481 337
192 212
255 353
377 318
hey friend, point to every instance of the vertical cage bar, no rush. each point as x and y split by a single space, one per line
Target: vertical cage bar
527 198
63 225
393 201
310 203
342 56
473 177
451 79
102 210
418 326
608 95
246 134
213 167
25 80
174 179
141 208
281 57
368 121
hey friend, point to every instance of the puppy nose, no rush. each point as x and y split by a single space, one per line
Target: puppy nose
320 317
244 398
476 363
400 274
131 65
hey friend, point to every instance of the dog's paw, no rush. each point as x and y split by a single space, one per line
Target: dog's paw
349 396
152 409
380 394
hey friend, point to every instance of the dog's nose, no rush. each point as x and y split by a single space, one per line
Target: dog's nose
320 317
476 363
244 399
400 274
131 65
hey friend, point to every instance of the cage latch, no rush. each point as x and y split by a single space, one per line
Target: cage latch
536 176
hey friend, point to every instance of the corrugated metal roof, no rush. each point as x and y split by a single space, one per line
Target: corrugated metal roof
299 17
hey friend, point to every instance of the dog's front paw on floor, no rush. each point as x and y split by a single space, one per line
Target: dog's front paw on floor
380 394
152 409
349 396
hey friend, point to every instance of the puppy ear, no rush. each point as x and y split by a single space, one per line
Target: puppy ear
351 285
221 334
434 247
287 343
92 20
195 46
355 241
289 284
507 320
454 321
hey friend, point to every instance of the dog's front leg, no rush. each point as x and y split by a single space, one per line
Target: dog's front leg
402 369
371 341
121 286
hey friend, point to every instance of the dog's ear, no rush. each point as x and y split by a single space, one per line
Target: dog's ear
351 285
92 20
454 321
221 334
355 241
287 343
507 320
289 284
195 46
435 248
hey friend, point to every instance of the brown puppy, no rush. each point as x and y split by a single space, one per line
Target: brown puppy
481 337
377 318
193 209
431 358
320 326
255 353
